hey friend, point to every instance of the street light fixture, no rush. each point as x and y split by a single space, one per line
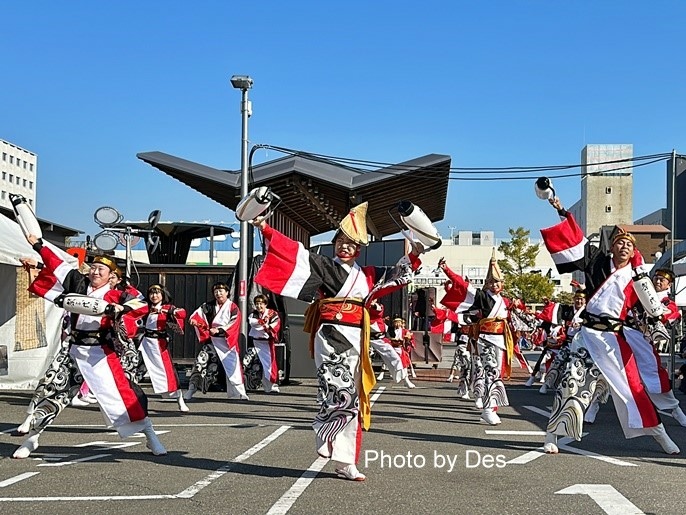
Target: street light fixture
115 231
244 83
672 350
241 82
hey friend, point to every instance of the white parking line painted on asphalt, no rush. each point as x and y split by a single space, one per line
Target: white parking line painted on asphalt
160 424
78 426
157 424
52 457
199 485
73 462
563 445
185 494
287 500
590 454
522 433
142 435
527 457
16 479
108 445
376 395
532 455
540 411
90 498
605 496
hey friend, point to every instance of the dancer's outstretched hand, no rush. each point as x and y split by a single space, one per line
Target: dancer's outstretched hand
556 203
417 248
28 263
259 222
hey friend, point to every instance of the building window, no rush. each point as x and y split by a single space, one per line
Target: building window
31 201
11 159
31 167
30 185
11 177
608 209
4 193
4 176
24 183
17 180
4 156
25 163
608 189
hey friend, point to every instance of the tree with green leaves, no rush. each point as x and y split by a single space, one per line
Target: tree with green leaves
520 257
564 297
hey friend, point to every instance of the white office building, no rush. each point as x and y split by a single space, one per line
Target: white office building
17 173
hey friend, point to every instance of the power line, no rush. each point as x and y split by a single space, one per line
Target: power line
368 163
456 173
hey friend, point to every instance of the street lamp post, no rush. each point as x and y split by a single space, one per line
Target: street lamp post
244 83
672 349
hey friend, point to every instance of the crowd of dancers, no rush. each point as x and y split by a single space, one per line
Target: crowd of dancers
101 358
604 344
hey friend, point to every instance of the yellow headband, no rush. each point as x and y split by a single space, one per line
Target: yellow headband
108 262
667 274
623 235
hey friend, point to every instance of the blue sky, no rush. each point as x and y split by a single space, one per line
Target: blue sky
87 85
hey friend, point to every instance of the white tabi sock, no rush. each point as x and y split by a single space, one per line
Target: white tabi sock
679 416
25 426
29 445
152 442
181 402
550 445
661 437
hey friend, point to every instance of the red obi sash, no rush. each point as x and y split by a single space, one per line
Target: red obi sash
348 312
490 326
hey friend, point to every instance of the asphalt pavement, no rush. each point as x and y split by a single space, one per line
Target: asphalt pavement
426 452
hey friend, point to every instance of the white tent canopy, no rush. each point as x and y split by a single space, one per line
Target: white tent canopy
679 270
23 364
13 245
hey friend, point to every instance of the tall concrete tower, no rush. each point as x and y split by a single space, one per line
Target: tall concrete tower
607 188
679 196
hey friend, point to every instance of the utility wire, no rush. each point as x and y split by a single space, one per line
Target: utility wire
558 176
367 163
456 172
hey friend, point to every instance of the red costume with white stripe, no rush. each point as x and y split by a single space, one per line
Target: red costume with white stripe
226 319
339 325
264 330
123 402
154 346
494 347
403 342
654 376
604 335
381 343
